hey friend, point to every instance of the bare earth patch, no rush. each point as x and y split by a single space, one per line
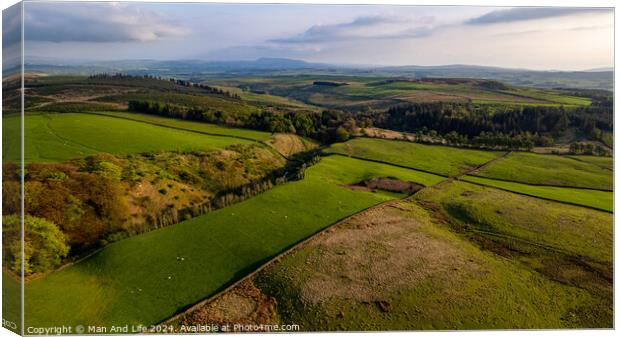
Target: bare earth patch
401 254
244 304
387 184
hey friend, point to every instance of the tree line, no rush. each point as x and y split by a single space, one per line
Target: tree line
328 126
518 127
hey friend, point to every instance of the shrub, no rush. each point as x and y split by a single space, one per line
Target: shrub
44 244
342 134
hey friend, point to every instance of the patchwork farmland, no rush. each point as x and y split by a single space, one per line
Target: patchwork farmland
180 208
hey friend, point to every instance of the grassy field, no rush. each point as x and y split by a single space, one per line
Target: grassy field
437 159
269 100
147 278
381 92
604 162
422 276
77 107
11 300
572 229
191 125
57 137
553 96
468 90
533 168
597 199
457 256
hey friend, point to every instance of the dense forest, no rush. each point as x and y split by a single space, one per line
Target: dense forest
328 127
539 124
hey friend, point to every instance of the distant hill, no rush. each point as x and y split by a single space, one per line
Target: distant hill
592 79
601 69
599 78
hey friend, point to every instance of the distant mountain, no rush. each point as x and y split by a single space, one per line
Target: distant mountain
264 63
278 63
600 78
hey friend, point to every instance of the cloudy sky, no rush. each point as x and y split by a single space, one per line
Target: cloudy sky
535 38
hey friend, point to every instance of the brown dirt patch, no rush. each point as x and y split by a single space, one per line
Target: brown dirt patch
244 304
386 184
430 96
374 256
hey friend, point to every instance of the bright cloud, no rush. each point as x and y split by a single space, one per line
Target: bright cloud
96 22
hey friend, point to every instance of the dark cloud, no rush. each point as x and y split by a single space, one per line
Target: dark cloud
95 22
531 13
11 38
11 25
350 30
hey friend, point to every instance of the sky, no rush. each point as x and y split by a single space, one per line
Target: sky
543 38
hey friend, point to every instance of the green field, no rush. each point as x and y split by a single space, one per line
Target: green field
472 90
143 280
382 92
548 95
11 300
572 229
207 128
268 100
58 137
523 242
533 168
604 162
432 158
602 200
431 277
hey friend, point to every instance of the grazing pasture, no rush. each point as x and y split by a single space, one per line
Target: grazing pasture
421 276
568 244
264 99
602 200
477 91
201 127
356 92
147 278
11 300
493 240
531 168
604 162
571 229
58 137
442 160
